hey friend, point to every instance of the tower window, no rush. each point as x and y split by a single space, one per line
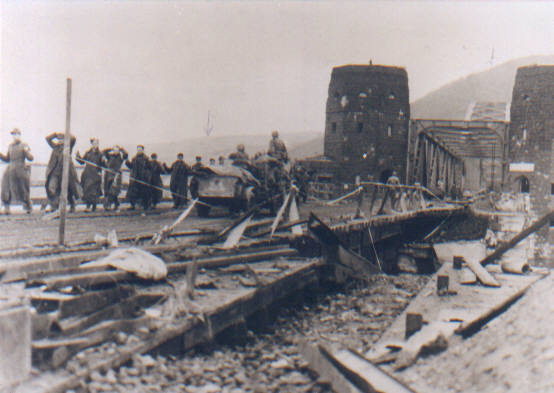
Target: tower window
360 127
524 137
334 128
389 130
551 188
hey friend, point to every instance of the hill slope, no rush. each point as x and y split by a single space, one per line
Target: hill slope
299 144
495 84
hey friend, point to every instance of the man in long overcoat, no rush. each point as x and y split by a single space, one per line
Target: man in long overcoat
54 172
114 158
156 170
91 178
139 181
16 179
179 171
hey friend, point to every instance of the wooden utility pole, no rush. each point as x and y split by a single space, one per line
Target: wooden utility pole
65 168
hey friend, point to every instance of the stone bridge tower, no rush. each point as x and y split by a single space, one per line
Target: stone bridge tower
367 120
532 135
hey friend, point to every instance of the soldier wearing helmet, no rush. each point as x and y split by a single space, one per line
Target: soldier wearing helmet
277 148
239 156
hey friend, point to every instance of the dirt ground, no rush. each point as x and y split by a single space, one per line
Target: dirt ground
513 353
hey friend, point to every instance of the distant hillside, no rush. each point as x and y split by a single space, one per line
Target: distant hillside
300 144
313 147
451 101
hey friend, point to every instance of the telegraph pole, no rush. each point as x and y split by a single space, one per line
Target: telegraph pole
65 168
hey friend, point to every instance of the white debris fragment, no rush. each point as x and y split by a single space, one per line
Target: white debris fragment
134 260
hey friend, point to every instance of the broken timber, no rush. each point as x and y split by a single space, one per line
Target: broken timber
218 310
99 278
345 261
517 238
462 314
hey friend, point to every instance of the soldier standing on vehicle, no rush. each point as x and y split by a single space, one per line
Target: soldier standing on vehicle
179 171
139 188
277 148
240 154
221 160
91 178
112 176
156 170
16 179
54 172
239 157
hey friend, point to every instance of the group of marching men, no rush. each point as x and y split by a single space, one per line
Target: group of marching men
145 182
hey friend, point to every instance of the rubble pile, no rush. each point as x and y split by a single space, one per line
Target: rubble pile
270 361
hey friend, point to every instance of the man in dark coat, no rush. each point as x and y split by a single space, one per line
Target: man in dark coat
196 171
156 170
139 187
179 171
114 158
54 172
91 178
16 180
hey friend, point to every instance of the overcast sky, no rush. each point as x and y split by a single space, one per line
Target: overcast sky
150 71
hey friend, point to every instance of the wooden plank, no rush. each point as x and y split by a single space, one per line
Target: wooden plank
84 280
119 310
467 328
236 233
231 306
15 270
326 371
471 307
482 274
226 260
166 231
95 279
549 217
365 375
77 304
337 253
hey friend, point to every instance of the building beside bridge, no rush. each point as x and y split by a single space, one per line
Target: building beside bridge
531 142
367 120
501 147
